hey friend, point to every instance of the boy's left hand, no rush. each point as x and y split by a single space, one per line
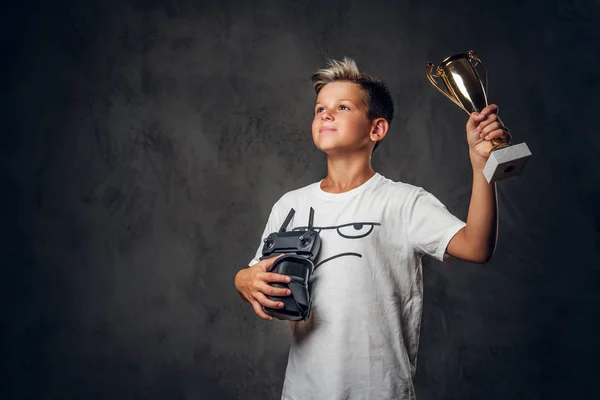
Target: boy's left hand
481 129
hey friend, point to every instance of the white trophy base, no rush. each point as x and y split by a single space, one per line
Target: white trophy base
506 163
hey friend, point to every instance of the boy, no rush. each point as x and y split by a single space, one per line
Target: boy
361 339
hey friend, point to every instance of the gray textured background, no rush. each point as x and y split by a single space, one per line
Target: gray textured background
143 144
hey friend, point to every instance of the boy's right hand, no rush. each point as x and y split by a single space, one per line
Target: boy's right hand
253 285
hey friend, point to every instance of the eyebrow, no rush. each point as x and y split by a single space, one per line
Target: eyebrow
318 102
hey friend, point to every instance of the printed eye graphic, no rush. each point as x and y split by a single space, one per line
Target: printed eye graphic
356 230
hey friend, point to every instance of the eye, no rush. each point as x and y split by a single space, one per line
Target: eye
357 230
344 107
319 109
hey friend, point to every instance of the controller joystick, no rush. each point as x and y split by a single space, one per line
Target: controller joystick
269 242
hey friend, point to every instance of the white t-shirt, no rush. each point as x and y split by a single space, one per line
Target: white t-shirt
362 337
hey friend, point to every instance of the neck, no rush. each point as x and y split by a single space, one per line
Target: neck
347 172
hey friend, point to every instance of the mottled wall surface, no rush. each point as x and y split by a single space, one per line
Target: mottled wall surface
144 143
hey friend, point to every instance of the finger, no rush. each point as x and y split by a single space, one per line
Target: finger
274 277
490 109
274 291
494 126
260 312
490 119
497 134
478 116
262 299
475 119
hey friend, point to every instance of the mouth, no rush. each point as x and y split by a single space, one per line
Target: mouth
337 256
327 129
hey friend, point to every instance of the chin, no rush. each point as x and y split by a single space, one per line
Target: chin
333 150
327 147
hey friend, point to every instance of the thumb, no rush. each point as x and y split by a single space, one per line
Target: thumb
269 262
474 119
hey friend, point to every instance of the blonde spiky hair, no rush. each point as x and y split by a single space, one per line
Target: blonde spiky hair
377 96
345 70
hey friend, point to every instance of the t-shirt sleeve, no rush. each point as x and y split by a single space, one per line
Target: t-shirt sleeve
274 222
430 225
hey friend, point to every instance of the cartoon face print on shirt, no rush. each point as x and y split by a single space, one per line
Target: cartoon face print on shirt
349 231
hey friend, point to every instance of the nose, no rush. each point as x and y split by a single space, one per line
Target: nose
326 116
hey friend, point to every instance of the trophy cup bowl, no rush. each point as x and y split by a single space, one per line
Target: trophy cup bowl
465 89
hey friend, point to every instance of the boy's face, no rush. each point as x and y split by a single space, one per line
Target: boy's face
341 124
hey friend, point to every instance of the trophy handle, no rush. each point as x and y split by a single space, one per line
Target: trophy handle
474 57
438 74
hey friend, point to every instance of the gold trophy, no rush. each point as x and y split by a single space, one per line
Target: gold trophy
465 89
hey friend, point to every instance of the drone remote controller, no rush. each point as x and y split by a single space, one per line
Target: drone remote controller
301 248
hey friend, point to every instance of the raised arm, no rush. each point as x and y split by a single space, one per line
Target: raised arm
476 242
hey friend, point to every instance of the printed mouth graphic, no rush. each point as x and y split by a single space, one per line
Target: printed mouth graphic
337 256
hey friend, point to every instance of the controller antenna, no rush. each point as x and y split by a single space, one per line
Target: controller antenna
311 217
287 220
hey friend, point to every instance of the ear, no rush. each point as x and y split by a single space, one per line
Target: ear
379 128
